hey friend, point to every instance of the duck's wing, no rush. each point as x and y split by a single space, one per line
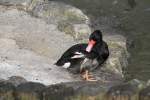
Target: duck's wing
73 53
77 54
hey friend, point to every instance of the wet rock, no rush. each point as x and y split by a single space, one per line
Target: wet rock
29 91
132 3
6 91
75 91
57 92
145 94
125 91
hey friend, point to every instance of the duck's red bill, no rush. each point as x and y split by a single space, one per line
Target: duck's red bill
90 45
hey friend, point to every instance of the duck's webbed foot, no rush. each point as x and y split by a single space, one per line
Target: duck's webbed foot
87 76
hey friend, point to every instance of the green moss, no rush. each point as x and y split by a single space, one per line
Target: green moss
73 17
66 27
33 2
46 13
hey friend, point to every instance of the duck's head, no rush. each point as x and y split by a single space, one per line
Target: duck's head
95 37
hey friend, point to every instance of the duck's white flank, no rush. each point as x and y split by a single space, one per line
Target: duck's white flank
66 65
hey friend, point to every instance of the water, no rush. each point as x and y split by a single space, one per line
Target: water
128 17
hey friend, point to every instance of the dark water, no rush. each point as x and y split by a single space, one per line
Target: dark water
128 17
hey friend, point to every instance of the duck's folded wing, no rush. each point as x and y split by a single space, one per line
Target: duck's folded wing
78 55
69 56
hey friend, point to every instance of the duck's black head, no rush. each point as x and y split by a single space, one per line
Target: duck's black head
95 38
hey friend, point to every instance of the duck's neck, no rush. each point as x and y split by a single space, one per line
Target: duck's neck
99 43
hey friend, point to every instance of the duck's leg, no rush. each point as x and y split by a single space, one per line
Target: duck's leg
87 76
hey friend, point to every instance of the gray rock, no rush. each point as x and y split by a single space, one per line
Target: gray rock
27 57
57 11
15 2
75 90
29 47
66 17
118 54
34 3
16 80
57 92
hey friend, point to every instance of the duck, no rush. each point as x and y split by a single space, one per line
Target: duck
83 58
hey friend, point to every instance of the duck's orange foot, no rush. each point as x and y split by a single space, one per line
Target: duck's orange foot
88 77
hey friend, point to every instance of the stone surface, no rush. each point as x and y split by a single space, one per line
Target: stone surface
58 11
67 18
29 46
21 53
118 54
16 80
57 92
74 91
14 2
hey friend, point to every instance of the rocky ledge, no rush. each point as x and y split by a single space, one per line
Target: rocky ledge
34 37
133 90
34 34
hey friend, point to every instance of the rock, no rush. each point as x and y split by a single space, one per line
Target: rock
29 91
118 54
57 92
132 3
6 91
145 94
27 57
66 17
29 46
34 3
75 91
126 90
15 2
81 31
57 11
148 83
16 80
